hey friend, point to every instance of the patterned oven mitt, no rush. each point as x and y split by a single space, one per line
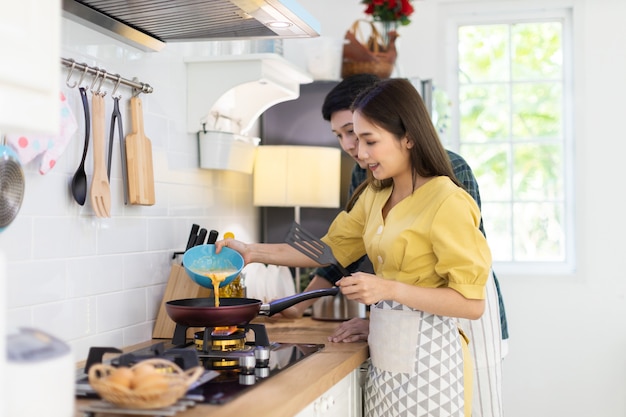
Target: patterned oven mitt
29 147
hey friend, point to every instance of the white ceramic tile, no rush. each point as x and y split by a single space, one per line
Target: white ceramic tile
154 297
145 269
161 233
36 283
20 317
108 339
95 275
16 238
190 200
67 320
45 195
122 235
155 128
61 237
137 334
121 309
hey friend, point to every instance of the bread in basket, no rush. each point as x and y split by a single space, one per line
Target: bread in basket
151 383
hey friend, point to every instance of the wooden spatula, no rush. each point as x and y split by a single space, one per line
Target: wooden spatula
312 247
139 159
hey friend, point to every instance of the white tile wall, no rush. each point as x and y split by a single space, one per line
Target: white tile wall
97 281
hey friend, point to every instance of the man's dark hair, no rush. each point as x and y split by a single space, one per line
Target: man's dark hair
344 93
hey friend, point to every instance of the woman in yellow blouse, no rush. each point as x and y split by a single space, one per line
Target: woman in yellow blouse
421 231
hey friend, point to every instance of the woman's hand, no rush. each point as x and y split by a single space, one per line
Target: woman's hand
236 245
365 288
353 330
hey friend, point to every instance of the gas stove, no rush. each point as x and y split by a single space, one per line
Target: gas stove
234 361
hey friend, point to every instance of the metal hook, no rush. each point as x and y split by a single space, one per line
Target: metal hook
93 83
100 92
82 77
117 84
69 75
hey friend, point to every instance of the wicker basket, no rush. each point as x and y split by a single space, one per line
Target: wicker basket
382 69
179 382
367 54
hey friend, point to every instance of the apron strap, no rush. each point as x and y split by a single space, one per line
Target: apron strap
468 366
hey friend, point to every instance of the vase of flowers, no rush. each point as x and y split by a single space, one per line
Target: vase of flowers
389 14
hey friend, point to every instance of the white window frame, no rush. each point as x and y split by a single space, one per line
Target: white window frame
455 15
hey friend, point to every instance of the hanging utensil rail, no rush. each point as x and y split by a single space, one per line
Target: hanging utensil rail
138 87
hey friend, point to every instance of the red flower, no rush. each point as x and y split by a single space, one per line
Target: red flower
389 10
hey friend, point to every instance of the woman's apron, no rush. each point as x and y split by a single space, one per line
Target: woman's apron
416 367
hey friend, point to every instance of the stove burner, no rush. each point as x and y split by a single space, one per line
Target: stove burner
222 343
204 342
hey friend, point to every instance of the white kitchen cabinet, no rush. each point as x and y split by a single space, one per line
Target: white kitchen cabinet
29 74
344 399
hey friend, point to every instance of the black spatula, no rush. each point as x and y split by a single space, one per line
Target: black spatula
312 247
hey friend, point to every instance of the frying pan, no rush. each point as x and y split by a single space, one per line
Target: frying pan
11 185
201 312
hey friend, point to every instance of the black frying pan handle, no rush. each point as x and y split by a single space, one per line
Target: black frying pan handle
279 305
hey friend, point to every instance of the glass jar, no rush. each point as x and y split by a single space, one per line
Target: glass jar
237 287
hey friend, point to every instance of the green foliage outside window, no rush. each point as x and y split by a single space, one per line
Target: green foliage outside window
510 107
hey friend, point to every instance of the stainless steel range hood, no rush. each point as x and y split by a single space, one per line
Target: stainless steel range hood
149 24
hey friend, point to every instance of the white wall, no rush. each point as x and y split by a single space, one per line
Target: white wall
99 281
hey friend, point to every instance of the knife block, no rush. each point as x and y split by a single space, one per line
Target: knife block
179 286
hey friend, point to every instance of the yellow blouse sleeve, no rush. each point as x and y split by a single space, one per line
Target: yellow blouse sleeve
345 234
463 256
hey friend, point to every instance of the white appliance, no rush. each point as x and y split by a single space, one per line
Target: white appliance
39 375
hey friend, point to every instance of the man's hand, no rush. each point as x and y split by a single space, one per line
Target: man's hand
353 330
292 312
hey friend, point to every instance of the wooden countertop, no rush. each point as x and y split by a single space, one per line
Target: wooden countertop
288 392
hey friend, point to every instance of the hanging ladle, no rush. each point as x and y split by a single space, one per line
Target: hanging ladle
79 180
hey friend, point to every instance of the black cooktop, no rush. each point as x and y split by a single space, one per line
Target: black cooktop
227 374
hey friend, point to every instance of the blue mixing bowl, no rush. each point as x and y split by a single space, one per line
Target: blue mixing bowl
202 260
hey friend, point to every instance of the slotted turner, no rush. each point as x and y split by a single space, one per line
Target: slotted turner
312 247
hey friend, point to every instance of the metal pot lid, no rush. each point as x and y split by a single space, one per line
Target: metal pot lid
11 187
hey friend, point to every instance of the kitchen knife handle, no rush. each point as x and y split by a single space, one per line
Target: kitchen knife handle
212 237
201 237
193 235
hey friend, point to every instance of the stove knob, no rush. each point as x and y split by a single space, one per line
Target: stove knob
246 364
247 379
262 372
262 355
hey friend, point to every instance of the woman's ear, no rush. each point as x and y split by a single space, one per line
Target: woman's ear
409 142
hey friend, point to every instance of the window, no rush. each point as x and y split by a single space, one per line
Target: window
511 123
